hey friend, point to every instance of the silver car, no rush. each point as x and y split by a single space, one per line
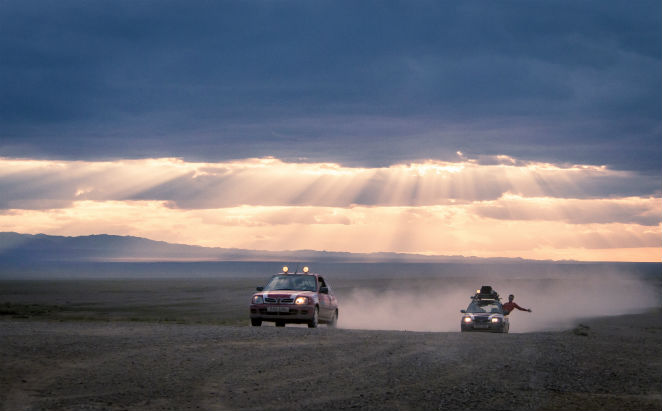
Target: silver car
485 313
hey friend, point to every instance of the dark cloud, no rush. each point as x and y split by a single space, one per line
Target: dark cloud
354 82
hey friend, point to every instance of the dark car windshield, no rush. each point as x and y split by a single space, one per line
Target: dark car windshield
291 282
477 307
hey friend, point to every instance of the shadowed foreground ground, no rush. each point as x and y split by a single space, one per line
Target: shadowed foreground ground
613 364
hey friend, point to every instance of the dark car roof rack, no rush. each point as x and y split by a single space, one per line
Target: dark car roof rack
486 293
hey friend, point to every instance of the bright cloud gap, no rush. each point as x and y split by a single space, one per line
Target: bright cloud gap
34 184
488 207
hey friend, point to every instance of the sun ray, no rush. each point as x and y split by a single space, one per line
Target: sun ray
500 208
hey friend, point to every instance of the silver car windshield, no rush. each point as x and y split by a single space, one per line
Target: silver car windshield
478 307
291 282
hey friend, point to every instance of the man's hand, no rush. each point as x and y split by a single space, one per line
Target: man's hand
529 310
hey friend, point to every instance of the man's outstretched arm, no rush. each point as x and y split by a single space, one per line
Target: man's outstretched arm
521 309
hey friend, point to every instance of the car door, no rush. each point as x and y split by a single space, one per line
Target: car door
333 301
326 306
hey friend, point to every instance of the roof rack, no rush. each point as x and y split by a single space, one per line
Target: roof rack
486 293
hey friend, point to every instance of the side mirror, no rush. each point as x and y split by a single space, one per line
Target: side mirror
463 311
324 290
259 288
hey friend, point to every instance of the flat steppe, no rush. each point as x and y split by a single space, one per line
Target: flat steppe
185 344
611 363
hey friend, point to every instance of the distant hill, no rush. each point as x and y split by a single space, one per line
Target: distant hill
41 247
24 256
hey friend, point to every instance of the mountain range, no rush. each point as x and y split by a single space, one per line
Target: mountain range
103 247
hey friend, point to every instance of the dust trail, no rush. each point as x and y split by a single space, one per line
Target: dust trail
558 302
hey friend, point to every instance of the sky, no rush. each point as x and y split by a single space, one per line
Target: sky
476 128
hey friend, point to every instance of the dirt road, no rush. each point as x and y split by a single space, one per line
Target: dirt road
614 363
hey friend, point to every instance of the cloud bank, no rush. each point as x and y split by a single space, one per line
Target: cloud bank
360 83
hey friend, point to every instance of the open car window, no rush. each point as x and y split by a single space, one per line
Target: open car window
322 283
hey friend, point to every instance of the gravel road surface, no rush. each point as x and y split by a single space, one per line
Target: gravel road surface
609 364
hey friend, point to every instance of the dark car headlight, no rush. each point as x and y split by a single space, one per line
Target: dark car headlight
467 320
495 320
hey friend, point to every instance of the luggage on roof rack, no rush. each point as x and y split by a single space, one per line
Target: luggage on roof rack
486 293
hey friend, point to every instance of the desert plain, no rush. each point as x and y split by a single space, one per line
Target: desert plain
173 344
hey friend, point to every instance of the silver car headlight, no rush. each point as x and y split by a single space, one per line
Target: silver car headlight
495 319
301 300
257 299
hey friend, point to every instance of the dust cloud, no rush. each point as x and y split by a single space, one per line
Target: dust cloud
558 302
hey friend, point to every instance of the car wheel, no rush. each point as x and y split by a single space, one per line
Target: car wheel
316 318
334 320
280 323
256 322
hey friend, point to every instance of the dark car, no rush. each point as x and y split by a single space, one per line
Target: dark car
299 298
485 313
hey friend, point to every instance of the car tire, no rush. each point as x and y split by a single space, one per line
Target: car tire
334 320
280 323
316 318
255 322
